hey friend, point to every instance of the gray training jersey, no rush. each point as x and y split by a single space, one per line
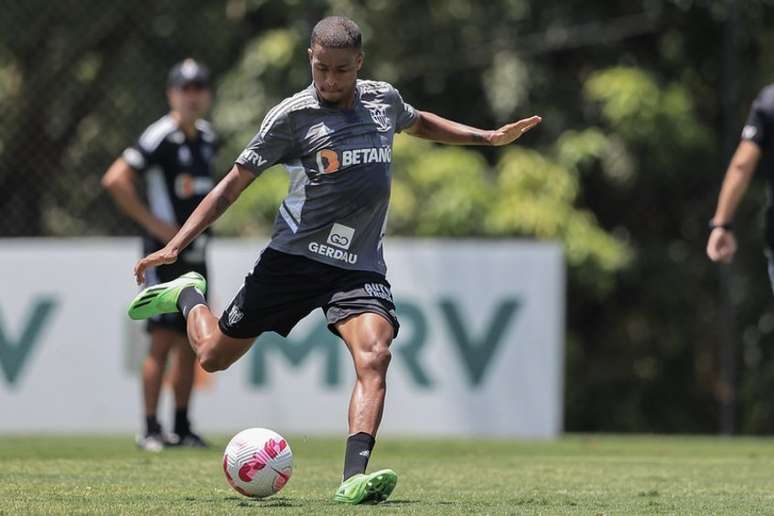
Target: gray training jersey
339 166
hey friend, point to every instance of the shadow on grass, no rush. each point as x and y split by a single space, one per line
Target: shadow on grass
399 502
273 502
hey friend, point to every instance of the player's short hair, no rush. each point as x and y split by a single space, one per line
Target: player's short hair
337 32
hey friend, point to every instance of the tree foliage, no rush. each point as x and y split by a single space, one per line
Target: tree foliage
642 101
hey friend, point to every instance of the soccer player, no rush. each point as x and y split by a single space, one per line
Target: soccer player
174 158
335 139
757 138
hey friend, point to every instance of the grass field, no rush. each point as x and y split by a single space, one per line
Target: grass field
589 475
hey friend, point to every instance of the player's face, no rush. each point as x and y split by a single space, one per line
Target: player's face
191 101
334 72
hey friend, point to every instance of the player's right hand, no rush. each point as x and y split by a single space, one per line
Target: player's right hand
721 246
160 257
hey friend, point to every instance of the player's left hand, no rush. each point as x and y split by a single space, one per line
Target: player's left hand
509 133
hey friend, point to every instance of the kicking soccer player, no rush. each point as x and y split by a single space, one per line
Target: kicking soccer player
174 156
335 139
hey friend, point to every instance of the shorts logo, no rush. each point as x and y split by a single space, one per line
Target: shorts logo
235 315
341 236
378 290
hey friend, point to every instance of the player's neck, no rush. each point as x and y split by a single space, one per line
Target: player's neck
187 126
349 101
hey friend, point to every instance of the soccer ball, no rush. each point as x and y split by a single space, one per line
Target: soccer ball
258 462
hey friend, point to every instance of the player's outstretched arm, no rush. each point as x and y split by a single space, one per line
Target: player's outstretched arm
438 129
721 245
212 206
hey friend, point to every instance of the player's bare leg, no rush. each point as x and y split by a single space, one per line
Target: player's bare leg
215 350
162 341
368 337
183 371
182 378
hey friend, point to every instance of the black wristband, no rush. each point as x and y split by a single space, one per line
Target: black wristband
727 226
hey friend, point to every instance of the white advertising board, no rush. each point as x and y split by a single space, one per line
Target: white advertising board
480 350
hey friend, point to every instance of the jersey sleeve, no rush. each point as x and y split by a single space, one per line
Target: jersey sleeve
271 145
141 155
405 114
758 128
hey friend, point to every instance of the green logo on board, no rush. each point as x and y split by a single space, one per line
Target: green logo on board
16 352
475 350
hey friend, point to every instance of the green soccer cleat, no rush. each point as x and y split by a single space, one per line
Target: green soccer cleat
162 298
362 488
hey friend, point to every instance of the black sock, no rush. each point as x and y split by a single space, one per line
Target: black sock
182 425
359 448
152 425
189 297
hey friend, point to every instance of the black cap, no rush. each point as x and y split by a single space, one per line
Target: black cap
188 72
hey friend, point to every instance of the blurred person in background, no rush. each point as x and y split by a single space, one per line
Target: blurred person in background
173 157
757 141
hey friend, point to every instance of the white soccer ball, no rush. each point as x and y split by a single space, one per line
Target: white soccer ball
258 462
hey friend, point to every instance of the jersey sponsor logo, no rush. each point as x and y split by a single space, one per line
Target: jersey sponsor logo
749 132
186 186
378 112
329 161
341 236
330 252
252 157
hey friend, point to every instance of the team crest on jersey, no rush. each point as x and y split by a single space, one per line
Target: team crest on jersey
184 156
206 151
378 112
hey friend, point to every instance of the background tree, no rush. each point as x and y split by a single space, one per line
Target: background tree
642 102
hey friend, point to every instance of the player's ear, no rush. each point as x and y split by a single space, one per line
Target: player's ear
309 53
359 60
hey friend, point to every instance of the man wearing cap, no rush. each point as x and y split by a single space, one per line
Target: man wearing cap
173 157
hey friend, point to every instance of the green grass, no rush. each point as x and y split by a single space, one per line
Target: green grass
588 475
